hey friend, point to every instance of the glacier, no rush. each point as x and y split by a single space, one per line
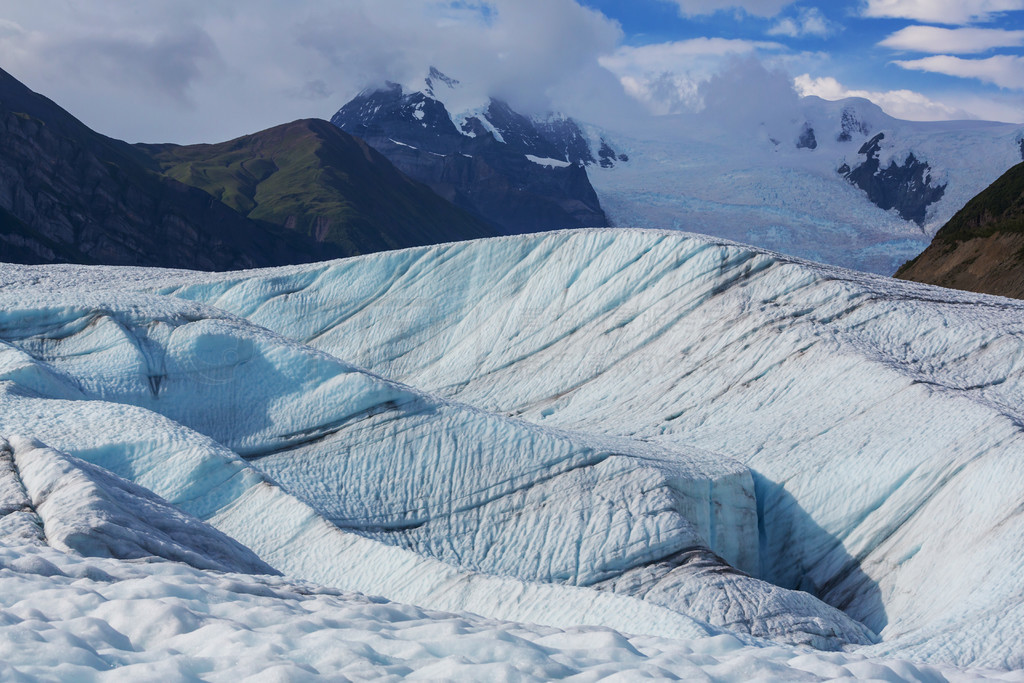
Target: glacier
839 182
487 493
748 177
596 432
100 618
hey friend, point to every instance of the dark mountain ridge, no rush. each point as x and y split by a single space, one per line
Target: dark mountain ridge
69 194
300 192
482 166
906 187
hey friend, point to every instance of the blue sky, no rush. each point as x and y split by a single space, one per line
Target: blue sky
208 70
921 59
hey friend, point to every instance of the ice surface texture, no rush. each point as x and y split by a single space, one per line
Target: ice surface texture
634 429
64 617
484 492
881 419
75 506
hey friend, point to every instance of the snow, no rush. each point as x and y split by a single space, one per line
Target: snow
547 161
83 508
730 179
461 114
598 432
66 617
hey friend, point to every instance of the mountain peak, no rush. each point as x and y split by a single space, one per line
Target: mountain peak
437 77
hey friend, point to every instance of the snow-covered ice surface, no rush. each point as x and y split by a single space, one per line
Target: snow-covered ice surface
74 506
748 182
646 431
64 617
209 481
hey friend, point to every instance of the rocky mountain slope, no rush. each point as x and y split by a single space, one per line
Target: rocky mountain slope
835 182
981 249
519 174
308 176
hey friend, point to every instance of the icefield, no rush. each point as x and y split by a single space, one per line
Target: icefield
741 176
590 452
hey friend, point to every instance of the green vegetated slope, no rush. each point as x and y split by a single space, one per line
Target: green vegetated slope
981 248
69 194
311 177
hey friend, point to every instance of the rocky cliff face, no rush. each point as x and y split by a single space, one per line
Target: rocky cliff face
906 187
69 194
516 173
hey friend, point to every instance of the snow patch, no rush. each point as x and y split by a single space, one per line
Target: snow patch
545 161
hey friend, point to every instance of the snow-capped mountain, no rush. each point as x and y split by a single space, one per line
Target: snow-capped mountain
836 182
518 173
647 431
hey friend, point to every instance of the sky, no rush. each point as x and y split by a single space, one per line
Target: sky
209 70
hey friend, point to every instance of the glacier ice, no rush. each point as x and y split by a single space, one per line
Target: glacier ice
871 413
75 506
487 493
650 431
746 182
68 617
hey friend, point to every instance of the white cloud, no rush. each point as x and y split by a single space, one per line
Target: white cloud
760 8
667 55
10 29
1008 107
1006 71
209 70
166 64
902 104
941 11
747 96
960 41
666 77
808 22
665 93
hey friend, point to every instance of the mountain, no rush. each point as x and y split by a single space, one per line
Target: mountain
308 176
835 182
300 192
516 173
981 249
69 194
666 434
